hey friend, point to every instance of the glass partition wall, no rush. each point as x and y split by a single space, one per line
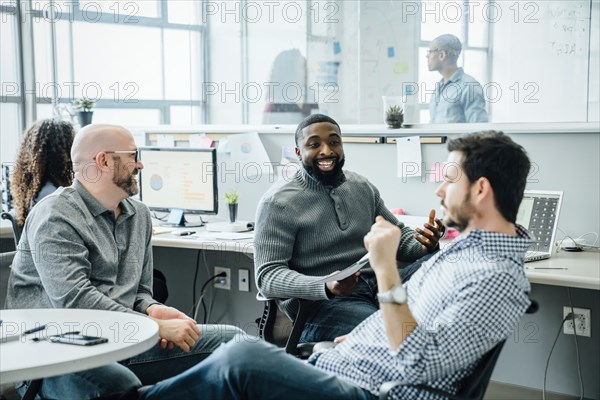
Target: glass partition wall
184 62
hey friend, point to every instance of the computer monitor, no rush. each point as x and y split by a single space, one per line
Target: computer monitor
178 181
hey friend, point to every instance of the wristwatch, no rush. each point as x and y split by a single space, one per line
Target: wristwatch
396 295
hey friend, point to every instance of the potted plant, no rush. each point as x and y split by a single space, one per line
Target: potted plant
232 200
394 117
84 106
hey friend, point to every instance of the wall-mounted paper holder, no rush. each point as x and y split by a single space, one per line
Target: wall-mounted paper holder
422 139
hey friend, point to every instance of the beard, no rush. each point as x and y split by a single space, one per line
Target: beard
329 178
127 182
460 216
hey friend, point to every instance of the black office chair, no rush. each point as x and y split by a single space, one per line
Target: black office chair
275 327
6 260
160 292
10 215
472 387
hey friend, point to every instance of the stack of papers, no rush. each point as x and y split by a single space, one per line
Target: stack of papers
338 276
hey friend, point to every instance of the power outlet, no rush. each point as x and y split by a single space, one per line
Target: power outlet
225 281
583 322
244 280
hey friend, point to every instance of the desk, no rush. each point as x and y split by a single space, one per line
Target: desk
204 241
128 335
583 270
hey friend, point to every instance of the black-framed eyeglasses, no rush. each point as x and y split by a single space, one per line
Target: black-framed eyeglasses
136 153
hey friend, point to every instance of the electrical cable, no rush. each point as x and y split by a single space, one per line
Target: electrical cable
565 319
193 310
581 387
163 218
590 233
579 245
212 297
570 316
201 300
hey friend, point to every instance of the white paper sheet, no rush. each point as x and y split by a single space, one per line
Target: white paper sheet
409 157
338 276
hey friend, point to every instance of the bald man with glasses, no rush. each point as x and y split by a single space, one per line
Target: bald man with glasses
88 246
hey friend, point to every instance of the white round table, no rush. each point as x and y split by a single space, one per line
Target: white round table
128 334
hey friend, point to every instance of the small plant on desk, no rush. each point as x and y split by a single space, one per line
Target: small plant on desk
232 199
394 116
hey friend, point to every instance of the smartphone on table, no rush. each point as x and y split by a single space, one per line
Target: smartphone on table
77 339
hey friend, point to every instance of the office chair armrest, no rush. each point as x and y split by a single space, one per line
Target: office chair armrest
6 259
266 324
533 307
16 230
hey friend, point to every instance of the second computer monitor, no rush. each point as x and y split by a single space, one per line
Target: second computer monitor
179 181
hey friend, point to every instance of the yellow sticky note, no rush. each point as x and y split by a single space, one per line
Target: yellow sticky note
400 67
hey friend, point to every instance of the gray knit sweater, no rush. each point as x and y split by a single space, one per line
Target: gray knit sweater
305 230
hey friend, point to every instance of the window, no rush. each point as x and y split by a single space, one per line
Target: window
11 123
139 60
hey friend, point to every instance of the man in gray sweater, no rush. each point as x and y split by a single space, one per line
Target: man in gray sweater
314 224
88 246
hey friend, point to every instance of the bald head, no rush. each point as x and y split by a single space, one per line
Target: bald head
95 138
450 44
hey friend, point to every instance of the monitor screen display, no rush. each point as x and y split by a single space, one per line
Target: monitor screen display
179 179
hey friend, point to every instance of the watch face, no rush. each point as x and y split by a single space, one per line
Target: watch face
396 294
399 294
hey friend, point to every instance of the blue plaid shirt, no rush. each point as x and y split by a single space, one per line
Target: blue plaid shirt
465 299
459 100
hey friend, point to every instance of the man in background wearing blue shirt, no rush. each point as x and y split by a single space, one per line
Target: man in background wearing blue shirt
458 97
432 330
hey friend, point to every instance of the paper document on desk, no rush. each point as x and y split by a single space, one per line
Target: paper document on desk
158 230
338 276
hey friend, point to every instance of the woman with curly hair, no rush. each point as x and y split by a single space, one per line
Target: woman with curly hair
43 164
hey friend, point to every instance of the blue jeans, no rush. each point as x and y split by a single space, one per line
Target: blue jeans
96 382
147 368
336 317
158 364
248 368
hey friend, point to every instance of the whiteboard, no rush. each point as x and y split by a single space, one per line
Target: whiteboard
540 61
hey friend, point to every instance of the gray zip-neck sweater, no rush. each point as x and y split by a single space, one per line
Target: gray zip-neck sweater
305 230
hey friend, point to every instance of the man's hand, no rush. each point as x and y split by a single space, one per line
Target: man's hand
430 236
159 311
175 324
181 332
343 287
382 243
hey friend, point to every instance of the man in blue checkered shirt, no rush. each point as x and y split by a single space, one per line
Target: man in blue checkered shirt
431 330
